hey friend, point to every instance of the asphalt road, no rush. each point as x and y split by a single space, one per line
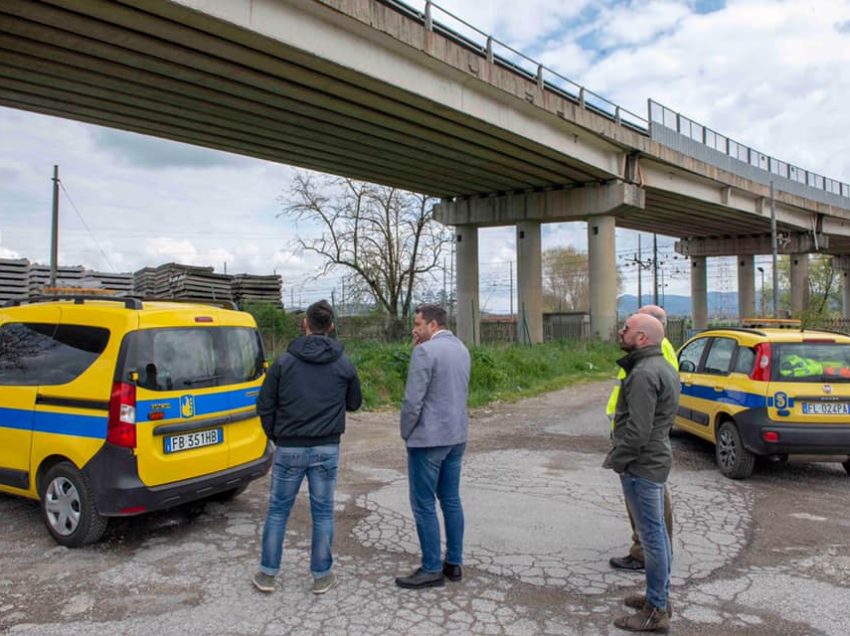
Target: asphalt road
767 556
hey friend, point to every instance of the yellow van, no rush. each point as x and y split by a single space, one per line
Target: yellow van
113 406
768 392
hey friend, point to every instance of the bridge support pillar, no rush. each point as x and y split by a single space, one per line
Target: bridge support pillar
699 292
468 312
799 283
746 286
603 277
529 283
841 264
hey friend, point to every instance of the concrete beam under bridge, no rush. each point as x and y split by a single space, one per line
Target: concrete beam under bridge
571 204
795 243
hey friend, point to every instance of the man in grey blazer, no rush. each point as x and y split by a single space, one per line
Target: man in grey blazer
434 424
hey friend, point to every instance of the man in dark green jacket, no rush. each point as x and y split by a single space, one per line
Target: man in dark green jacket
642 456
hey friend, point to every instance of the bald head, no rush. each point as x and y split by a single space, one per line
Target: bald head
656 312
641 330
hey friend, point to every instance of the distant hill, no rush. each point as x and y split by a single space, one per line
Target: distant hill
720 304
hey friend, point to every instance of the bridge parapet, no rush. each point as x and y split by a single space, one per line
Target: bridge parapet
685 135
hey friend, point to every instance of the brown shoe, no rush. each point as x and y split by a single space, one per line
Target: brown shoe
637 601
648 619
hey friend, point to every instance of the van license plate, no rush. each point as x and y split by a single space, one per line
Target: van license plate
188 441
826 408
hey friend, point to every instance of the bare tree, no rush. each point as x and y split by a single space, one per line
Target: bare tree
386 237
566 279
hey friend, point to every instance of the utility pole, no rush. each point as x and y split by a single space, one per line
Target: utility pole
654 269
640 275
54 234
452 278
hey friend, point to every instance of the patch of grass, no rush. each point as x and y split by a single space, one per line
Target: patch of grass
499 373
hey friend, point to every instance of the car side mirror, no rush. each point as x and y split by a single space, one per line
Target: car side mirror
687 366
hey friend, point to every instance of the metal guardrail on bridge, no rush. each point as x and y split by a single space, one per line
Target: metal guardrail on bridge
470 37
662 124
678 132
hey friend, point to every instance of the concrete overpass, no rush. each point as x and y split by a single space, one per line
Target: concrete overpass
372 90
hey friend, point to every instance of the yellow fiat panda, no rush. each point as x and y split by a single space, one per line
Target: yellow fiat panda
116 406
766 391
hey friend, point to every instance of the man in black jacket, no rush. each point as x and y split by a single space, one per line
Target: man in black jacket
302 407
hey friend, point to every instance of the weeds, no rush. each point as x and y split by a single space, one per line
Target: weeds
499 373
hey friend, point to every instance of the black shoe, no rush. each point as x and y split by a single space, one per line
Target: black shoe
452 572
420 579
627 562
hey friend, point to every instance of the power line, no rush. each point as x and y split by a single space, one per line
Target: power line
82 220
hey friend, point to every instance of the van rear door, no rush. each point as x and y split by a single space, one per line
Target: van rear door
811 381
192 407
243 360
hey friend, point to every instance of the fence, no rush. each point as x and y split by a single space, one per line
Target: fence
372 328
678 330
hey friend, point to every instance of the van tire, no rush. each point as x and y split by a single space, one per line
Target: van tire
734 461
67 507
846 466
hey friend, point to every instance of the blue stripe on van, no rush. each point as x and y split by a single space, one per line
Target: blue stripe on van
52 422
737 398
20 419
204 404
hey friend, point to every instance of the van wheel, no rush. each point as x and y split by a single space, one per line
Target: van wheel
734 461
68 508
846 466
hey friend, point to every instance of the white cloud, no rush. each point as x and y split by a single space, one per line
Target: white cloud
641 22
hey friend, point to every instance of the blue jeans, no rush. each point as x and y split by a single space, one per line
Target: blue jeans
291 464
645 500
435 473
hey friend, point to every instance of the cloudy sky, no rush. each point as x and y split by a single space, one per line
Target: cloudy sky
771 74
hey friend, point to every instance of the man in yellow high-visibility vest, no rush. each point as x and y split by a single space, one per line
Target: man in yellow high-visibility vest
634 559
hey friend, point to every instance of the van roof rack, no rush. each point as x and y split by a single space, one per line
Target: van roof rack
819 330
79 299
741 329
224 304
778 323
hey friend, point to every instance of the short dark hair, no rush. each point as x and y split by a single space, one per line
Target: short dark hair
433 312
320 317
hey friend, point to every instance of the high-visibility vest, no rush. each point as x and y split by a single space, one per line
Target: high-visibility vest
669 354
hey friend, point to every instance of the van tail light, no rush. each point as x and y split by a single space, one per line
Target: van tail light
121 429
761 369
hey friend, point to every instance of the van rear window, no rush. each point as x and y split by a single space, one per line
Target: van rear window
33 354
183 358
812 362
